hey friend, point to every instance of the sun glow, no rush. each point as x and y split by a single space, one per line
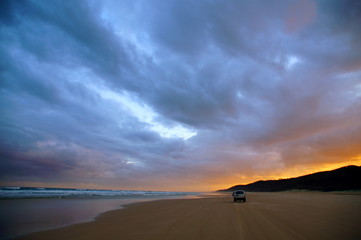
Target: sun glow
292 172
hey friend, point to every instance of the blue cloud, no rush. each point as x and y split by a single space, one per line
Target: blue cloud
114 92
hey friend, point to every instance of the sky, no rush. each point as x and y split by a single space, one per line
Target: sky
177 95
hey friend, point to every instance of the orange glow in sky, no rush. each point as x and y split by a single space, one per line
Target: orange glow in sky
167 95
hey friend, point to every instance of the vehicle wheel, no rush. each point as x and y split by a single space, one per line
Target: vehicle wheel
244 200
234 200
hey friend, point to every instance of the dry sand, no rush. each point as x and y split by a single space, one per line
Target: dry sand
264 216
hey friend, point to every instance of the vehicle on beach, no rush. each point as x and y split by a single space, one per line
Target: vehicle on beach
239 195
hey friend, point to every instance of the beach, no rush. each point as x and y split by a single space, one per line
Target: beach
287 215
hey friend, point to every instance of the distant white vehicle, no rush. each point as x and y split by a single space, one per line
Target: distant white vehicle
239 195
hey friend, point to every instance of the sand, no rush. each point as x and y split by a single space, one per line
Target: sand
264 216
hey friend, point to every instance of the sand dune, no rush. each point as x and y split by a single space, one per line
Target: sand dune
264 216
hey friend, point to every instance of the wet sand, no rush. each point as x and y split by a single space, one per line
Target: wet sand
20 216
299 215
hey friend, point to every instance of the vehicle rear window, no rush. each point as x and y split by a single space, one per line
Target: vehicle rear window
239 192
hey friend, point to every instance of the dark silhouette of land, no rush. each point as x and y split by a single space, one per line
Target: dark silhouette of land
341 179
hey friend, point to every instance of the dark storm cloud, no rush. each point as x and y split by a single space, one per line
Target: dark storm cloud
106 92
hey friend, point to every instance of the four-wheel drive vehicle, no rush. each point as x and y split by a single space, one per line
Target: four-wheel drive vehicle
239 195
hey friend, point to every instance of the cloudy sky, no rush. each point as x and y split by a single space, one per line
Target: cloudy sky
177 94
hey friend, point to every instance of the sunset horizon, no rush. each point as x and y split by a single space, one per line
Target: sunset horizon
216 187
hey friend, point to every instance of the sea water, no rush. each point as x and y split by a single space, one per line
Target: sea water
26 210
34 192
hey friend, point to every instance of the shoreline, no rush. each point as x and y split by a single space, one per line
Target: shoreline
23 216
264 216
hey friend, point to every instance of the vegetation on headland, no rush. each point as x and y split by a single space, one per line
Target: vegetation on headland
341 179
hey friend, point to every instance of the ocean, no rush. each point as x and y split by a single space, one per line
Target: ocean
36 192
24 210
